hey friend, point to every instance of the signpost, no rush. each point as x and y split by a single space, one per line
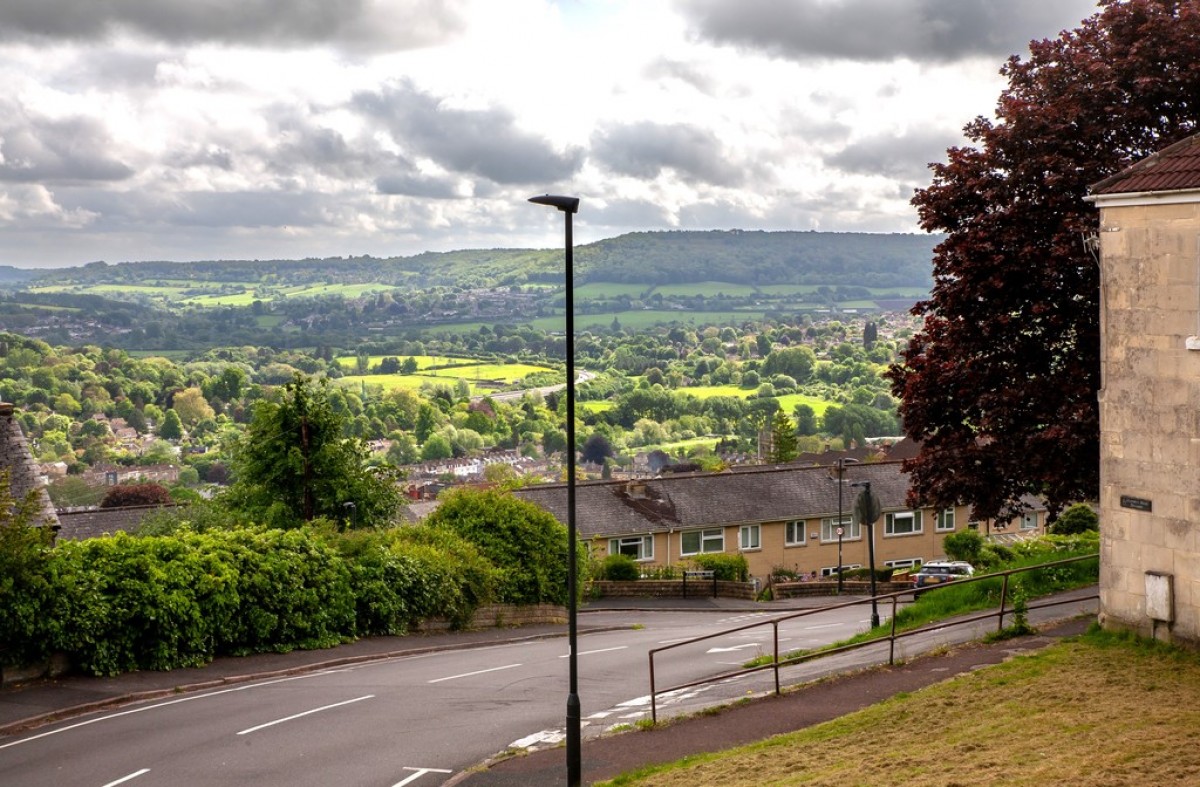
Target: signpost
867 509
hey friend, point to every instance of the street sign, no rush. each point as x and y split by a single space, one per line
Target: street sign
841 531
867 507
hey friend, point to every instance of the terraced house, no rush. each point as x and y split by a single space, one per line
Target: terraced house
777 517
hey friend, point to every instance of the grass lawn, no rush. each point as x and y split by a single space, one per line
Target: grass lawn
392 382
708 289
423 361
1099 710
508 372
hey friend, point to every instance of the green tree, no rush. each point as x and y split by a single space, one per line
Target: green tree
171 427
1079 518
806 419
293 464
783 439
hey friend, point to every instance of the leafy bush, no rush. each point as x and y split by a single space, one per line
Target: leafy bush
1079 518
620 568
26 584
881 574
964 545
527 544
728 568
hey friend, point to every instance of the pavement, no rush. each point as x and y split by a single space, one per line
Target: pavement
30 705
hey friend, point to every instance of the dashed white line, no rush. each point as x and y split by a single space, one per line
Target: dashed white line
305 713
590 652
130 777
476 672
419 773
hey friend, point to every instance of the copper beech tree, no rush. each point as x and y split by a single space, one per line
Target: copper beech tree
1000 383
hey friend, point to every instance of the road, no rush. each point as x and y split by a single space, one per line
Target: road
407 721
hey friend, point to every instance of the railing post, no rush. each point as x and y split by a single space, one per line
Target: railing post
892 636
1003 599
653 704
775 626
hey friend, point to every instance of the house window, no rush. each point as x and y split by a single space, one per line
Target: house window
907 562
902 523
637 547
793 533
748 537
695 542
1029 521
945 520
850 530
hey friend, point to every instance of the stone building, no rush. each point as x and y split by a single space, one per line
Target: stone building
1149 257
23 474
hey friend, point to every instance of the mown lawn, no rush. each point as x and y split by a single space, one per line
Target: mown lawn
1097 711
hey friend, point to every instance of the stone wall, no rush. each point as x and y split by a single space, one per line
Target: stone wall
499 615
672 588
1150 419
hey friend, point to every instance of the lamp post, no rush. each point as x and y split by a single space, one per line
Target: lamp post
841 528
351 513
569 206
867 508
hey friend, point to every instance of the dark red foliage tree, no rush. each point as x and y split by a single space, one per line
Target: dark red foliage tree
136 495
1000 383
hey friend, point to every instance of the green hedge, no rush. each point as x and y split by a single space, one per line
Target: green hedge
728 568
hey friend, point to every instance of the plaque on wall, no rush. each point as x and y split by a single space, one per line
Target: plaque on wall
1136 503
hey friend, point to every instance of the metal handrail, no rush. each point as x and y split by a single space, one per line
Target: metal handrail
891 637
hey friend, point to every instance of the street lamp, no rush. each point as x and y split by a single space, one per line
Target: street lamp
867 508
841 529
569 206
351 513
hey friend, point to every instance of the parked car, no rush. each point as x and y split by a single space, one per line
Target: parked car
939 572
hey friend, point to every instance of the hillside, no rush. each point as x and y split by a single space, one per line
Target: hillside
648 258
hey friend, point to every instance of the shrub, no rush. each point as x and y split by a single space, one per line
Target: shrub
729 568
965 545
620 568
881 574
149 494
1079 518
527 544
26 585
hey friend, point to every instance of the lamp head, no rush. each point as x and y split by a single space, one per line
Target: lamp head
565 204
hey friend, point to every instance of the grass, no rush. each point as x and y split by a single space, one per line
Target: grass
508 372
1103 709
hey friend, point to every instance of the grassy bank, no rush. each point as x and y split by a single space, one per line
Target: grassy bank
1100 710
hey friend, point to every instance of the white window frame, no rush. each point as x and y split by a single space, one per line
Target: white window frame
944 520
829 526
832 571
704 538
643 545
889 523
907 562
1029 521
793 528
750 538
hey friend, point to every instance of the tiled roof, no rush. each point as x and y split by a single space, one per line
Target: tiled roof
711 499
95 522
1174 168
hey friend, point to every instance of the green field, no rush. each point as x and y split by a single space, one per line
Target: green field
345 290
596 406
609 289
243 298
350 362
647 318
707 288
392 382
508 372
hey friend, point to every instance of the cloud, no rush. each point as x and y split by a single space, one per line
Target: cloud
687 73
881 30
374 24
646 149
483 142
415 184
66 150
902 156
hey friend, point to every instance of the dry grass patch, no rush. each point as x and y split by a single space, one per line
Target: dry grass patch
1101 710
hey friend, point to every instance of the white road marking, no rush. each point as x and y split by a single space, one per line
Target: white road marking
130 777
604 714
477 672
590 652
545 736
735 647
156 705
821 626
305 713
419 773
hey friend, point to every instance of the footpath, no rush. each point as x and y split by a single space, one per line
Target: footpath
28 706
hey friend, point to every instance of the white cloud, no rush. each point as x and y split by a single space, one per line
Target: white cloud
168 129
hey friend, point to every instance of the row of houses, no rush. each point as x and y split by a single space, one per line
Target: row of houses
790 517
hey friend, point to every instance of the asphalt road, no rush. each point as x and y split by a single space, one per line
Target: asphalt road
419 720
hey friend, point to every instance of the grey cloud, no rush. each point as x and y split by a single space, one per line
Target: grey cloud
683 72
246 209
57 150
415 184
645 149
626 213
895 156
397 24
880 30
480 142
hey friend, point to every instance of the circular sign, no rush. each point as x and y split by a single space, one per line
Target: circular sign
840 531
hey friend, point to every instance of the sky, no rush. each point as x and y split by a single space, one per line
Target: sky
283 129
